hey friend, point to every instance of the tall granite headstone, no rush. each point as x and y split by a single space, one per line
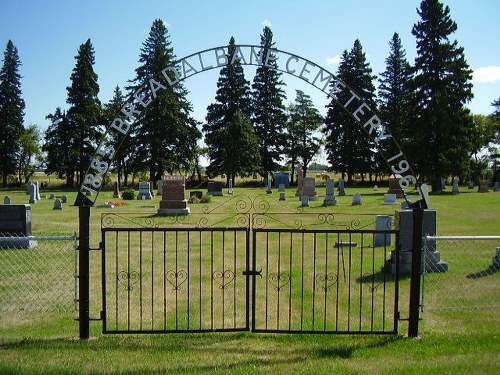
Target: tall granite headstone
173 201
330 193
144 191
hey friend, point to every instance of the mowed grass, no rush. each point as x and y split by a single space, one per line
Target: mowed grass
463 341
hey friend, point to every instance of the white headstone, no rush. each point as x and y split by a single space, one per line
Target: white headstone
330 193
37 185
455 190
32 192
269 189
382 223
390 199
341 187
144 191
356 199
159 183
281 190
230 187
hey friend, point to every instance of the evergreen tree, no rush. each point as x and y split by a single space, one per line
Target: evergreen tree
348 147
306 122
291 147
124 146
232 96
84 113
166 132
395 98
269 116
11 112
59 147
442 125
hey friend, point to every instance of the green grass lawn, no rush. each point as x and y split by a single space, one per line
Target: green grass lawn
454 341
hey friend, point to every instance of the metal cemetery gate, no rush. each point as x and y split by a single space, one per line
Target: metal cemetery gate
246 277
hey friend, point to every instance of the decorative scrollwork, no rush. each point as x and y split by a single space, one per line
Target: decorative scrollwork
259 221
150 223
223 278
176 278
279 280
369 279
326 218
325 281
243 220
203 222
107 221
128 279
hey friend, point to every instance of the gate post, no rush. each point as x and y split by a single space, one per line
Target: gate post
416 266
83 272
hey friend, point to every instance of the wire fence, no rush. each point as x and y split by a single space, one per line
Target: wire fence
38 273
467 276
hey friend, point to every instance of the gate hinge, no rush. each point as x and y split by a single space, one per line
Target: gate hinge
253 273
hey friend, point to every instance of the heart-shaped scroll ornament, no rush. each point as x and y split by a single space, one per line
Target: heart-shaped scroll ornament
176 278
223 278
279 280
325 281
369 280
128 279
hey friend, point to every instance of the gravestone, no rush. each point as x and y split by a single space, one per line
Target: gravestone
330 193
144 191
390 199
172 200
116 192
382 222
269 189
483 186
375 187
32 192
495 187
230 187
281 190
64 199
159 184
356 199
37 186
309 188
57 205
52 196
298 193
215 188
394 187
6 200
454 189
471 185
304 200
196 194
496 259
15 221
282 178
341 188
432 259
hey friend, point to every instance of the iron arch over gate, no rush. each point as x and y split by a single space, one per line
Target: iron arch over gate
216 58
199 62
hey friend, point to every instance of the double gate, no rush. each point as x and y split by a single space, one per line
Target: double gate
304 273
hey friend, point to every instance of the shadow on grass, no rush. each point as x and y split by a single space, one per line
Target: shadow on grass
207 352
491 270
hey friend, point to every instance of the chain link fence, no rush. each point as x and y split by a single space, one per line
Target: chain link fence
37 274
468 277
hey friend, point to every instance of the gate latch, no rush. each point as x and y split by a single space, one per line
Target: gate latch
253 273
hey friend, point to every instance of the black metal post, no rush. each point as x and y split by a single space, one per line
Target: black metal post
83 272
416 269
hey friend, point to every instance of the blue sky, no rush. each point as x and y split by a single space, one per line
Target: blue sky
48 34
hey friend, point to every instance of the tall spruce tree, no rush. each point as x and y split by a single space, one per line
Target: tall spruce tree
59 147
232 96
395 98
442 126
84 113
11 112
166 132
124 146
348 147
306 121
269 116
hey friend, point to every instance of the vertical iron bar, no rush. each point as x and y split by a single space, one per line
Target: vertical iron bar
416 263
234 282
140 281
302 286
164 280
314 282
128 280
200 276
290 285
396 283
152 280
254 266
326 281
83 272
360 284
279 286
117 299
267 275
188 278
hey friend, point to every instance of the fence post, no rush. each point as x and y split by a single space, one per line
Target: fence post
416 264
83 272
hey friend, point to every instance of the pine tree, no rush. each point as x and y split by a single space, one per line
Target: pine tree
84 113
30 152
348 147
124 146
233 95
11 112
59 147
395 98
291 147
306 122
166 131
442 125
269 116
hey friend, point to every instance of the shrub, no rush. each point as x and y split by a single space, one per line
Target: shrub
206 198
128 194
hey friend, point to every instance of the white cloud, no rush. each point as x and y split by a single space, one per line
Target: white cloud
333 60
486 74
267 23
